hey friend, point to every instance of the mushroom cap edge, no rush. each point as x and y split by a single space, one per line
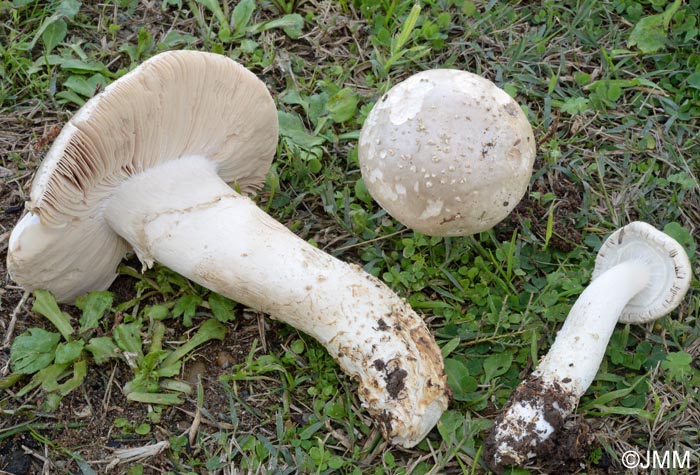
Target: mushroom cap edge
62 244
669 264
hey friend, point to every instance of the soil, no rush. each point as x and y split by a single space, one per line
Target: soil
569 201
395 382
84 422
562 451
15 459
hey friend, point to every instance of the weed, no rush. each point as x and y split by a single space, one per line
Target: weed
613 92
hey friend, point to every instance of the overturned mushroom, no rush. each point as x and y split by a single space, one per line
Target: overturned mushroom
145 166
447 153
641 274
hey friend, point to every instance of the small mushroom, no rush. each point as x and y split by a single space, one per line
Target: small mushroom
447 153
640 275
146 165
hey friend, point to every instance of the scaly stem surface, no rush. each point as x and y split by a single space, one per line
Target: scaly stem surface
184 216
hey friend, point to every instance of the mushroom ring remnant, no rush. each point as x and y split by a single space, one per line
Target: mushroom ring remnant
640 274
447 153
146 165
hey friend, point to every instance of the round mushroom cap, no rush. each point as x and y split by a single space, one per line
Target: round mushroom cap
447 153
666 259
176 104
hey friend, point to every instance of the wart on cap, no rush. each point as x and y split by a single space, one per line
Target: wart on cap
452 134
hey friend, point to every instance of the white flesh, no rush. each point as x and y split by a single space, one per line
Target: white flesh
184 216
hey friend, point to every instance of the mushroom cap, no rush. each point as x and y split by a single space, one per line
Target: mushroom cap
666 259
447 153
176 104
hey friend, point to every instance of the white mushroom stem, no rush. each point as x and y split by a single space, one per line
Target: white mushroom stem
181 214
540 405
576 354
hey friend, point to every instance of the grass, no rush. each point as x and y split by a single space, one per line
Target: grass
612 90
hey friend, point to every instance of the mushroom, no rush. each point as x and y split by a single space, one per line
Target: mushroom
447 153
145 165
640 274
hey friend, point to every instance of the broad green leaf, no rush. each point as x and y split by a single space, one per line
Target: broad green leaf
70 96
9 381
215 8
143 382
678 365
157 312
575 105
128 338
496 365
292 24
694 80
469 8
48 21
151 361
143 429
176 39
53 34
649 34
45 377
450 346
175 385
85 67
51 375
85 87
248 46
241 17
292 96
79 373
361 191
186 307
343 105
170 370
458 378
102 348
407 28
291 126
314 165
448 424
68 352
33 350
68 8
155 398
51 402
94 307
610 90
144 42
210 329
221 307
682 235
45 304
686 181
80 85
